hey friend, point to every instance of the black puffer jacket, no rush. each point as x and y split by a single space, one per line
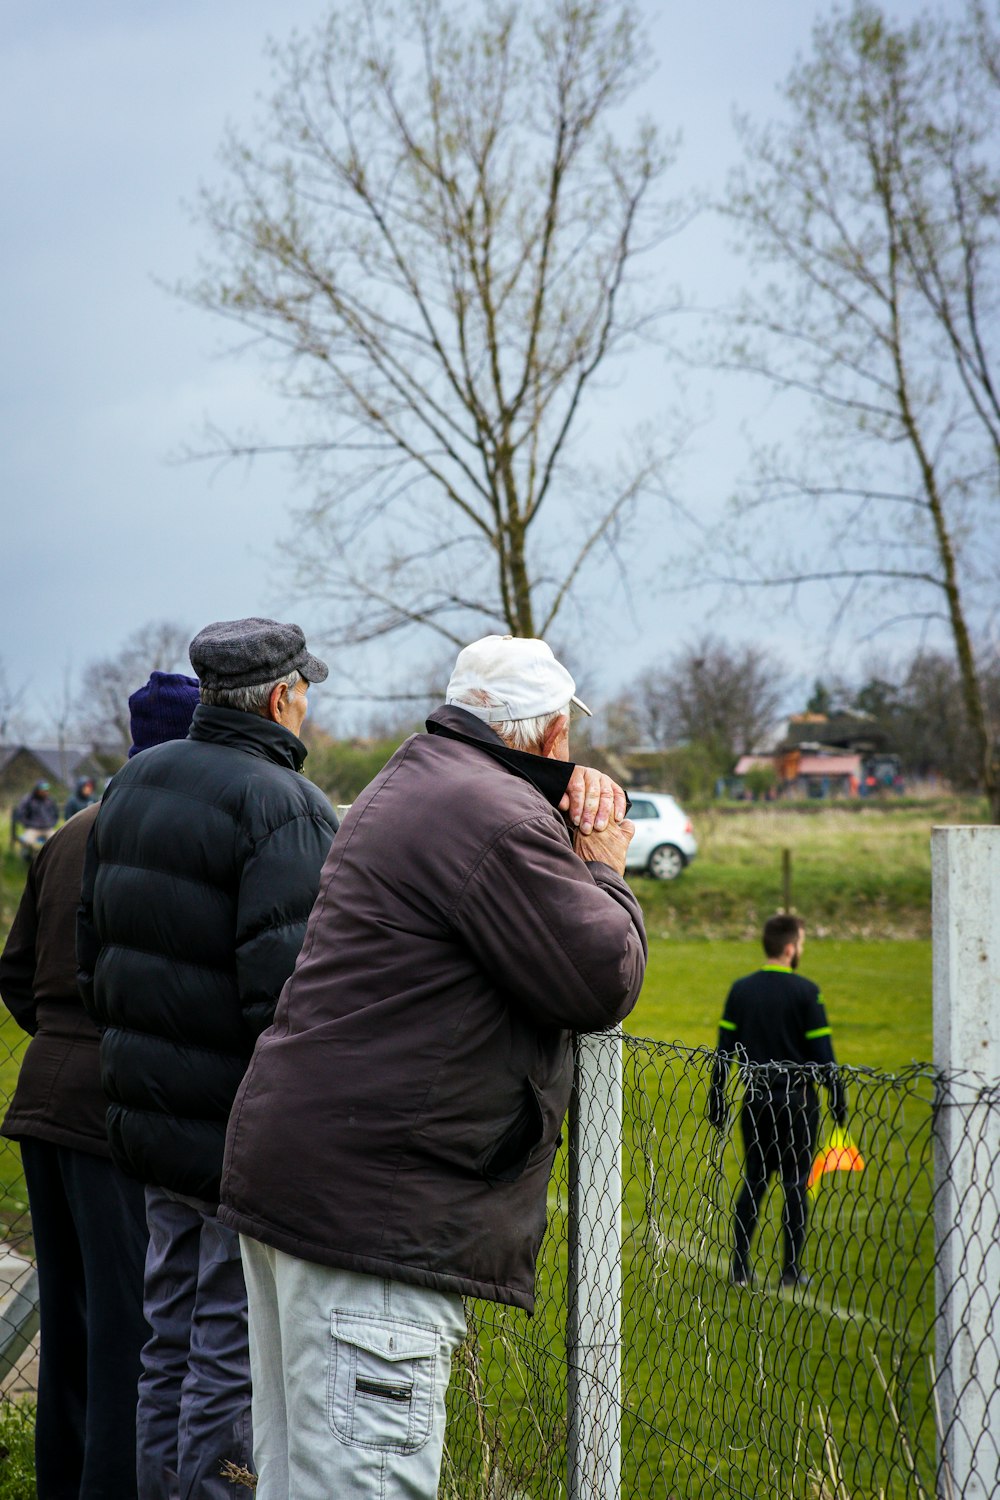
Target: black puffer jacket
199 878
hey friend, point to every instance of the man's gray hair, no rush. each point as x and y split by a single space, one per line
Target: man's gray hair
249 700
519 734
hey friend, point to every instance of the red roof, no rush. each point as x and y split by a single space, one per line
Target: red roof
809 765
829 765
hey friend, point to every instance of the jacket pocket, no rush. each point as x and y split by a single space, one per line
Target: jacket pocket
382 1382
507 1159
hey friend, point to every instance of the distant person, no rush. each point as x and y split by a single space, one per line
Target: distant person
390 1148
200 875
84 795
774 1020
88 1219
36 816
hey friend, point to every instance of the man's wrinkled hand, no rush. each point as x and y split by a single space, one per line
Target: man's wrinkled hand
608 847
593 800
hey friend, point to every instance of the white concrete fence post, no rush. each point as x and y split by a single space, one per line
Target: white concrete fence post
18 1308
966 924
593 1333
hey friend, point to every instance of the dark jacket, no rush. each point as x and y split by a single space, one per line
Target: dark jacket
78 800
776 1016
199 879
401 1116
40 812
58 1096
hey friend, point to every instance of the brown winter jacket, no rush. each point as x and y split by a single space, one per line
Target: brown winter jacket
59 1097
401 1116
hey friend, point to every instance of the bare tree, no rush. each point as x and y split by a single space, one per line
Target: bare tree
434 239
12 702
102 706
875 203
723 698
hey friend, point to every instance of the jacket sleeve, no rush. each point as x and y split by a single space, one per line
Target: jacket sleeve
88 944
818 1038
729 1035
278 886
17 962
565 939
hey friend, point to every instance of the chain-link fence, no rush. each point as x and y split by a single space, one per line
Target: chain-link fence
18 1281
873 1374
735 1381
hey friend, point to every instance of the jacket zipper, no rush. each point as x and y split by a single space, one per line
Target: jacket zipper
384 1392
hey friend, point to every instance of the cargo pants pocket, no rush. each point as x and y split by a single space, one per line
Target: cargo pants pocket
382 1382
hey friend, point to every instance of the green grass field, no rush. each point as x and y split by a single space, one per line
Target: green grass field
877 994
806 1419
729 1391
12 876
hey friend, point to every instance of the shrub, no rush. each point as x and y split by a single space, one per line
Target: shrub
343 768
17 1450
760 780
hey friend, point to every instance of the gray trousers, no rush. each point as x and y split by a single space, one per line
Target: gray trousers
349 1380
194 1390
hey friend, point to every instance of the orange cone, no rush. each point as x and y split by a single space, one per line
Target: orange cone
839 1154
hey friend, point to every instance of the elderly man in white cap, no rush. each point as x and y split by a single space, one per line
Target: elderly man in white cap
389 1149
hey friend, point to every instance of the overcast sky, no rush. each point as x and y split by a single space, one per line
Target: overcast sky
111 114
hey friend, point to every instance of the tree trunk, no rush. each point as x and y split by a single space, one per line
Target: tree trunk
523 621
972 691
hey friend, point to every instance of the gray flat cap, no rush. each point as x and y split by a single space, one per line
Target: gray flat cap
246 653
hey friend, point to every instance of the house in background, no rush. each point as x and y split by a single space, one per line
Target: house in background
809 772
838 755
61 765
855 733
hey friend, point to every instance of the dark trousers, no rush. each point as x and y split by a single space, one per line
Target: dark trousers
194 1391
779 1139
89 1226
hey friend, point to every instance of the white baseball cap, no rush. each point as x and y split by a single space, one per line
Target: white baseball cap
520 672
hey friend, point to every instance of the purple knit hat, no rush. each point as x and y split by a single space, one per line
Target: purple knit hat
162 710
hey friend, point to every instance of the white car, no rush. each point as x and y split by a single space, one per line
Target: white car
664 839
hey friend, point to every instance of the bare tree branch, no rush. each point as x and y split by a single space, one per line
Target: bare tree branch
875 206
434 241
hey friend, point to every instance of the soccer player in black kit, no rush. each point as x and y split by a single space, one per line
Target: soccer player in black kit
775 1018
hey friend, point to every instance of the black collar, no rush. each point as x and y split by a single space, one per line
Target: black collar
249 732
550 777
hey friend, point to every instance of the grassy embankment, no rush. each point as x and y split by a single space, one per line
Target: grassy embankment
859 870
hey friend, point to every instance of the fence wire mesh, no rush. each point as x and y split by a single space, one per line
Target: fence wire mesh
18 1279
827 1389
877 1378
